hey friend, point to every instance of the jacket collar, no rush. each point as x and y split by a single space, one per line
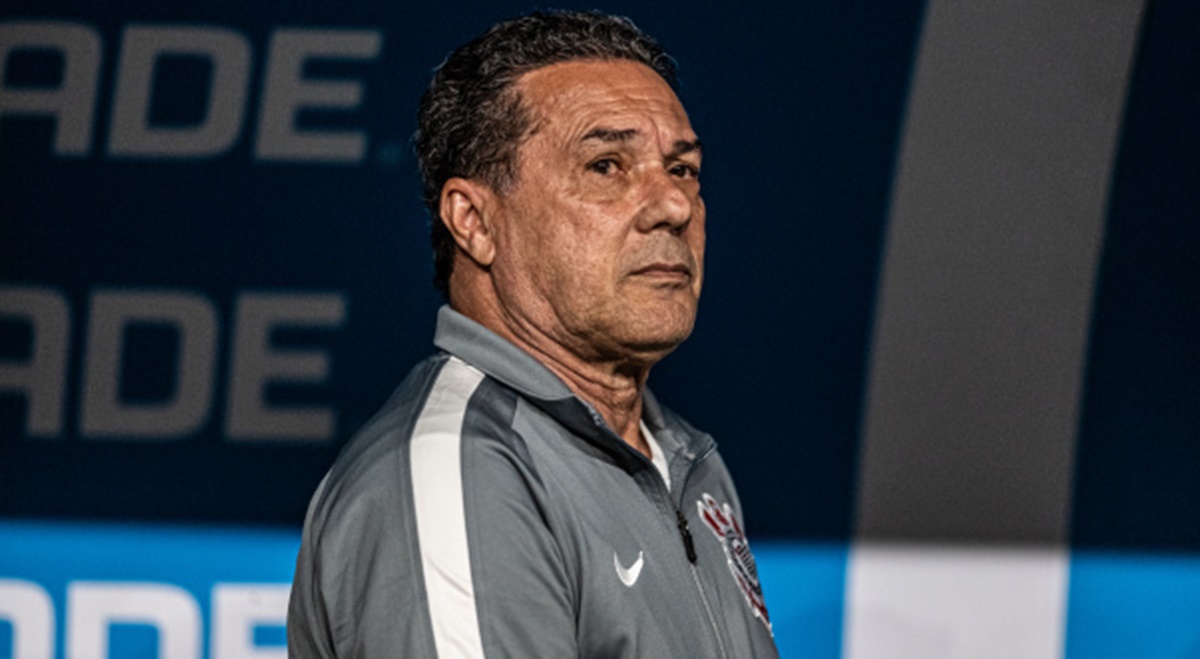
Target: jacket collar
497 358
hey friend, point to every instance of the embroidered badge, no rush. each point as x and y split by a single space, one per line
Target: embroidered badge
719 518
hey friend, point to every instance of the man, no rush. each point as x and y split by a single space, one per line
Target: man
522 494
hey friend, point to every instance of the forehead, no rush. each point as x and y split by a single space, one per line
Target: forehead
570 98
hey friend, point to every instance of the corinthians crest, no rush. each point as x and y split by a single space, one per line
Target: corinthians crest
719 517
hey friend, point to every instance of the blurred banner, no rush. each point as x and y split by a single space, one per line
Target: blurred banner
949 342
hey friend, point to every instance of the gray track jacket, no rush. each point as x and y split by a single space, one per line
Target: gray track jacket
487 511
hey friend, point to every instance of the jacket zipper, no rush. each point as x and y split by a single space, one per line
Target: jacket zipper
712 619
689 544
689 547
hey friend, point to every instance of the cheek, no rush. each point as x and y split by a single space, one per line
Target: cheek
562 257
586 237
697 233
696 239
566 243
584 261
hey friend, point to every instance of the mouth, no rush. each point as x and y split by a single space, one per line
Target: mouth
667 272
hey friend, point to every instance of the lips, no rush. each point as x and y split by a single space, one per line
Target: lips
664 274
665 269
667 262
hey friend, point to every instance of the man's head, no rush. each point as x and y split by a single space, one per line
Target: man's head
472 121
570 209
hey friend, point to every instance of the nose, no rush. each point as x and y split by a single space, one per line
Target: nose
668 204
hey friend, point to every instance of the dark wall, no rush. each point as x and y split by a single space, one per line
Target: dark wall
240 235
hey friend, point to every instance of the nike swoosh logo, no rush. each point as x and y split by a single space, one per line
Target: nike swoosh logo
628 575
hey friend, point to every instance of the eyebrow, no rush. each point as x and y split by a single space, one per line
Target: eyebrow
685 146
609 135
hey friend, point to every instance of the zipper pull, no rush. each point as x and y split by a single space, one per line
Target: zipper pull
684 533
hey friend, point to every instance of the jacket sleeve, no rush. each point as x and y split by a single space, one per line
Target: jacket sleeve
307 620
357 593
371 582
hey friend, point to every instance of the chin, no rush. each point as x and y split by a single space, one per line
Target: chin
660 330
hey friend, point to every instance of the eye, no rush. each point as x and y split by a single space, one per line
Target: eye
604 166
685 170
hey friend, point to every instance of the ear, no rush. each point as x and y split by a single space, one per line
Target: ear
464 209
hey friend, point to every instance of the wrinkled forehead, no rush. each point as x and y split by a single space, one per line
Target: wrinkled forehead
570 99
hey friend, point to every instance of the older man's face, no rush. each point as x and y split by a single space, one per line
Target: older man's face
601 242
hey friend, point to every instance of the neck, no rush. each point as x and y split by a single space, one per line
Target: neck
612 385
613 388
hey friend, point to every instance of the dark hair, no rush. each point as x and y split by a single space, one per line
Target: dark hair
472 119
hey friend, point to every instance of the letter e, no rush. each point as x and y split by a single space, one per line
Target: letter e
286 92
255 364
237 610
